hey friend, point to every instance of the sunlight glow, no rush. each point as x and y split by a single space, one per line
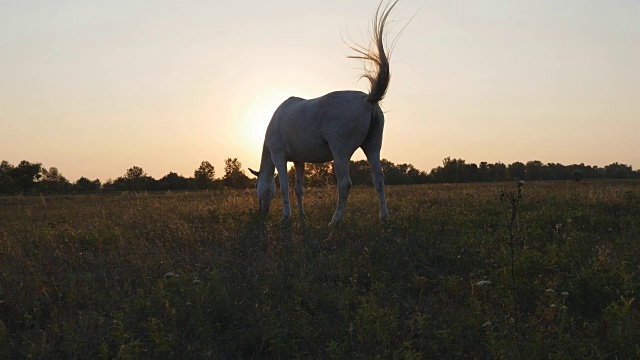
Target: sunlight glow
258 113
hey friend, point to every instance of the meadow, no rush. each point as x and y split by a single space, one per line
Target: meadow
198 275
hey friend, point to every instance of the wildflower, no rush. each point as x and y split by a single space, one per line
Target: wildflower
169 275
553 305
564 293
483 283
196 282
550 291
487 324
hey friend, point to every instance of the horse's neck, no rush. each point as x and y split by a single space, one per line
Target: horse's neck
266 164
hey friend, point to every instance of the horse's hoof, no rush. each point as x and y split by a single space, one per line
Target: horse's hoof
334 224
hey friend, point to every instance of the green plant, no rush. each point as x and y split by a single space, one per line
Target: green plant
510 201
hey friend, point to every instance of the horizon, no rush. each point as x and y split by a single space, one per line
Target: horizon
95 88
220 175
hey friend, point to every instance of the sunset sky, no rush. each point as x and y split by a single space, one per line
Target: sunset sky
96 87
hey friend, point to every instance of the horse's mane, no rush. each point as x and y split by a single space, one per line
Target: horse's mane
380 74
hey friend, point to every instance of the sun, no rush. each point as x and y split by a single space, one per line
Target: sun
258 112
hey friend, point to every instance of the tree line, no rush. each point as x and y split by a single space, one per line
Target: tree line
33 178
28 177
458 171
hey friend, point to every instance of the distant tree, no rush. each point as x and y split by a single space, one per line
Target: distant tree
484 173
452 171
555 171
172 181
618 171
437 175
234 175
320 174
25 175
232 168
591 172
577 175
6 181
315 175
360 172
403 174
460 170
85 185
135 179
533 170
205 175
120 183
473 173
53 181
449 170
392 174
498 172
109 185
517 170
402 171
134 173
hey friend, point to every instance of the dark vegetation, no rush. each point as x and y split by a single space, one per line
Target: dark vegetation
33 178
461 271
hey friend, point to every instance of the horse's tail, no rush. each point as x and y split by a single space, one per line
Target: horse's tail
380 75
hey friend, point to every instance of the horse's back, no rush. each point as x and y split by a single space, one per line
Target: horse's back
336 104
312 130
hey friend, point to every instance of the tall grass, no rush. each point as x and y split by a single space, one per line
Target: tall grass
196 275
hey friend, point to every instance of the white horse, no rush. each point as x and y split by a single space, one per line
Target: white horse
331 127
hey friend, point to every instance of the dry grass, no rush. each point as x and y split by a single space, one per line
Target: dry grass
196 275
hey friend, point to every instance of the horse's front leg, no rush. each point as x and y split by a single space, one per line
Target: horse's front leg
281 166
341 168
300 186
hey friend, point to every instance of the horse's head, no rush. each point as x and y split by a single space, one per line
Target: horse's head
266 187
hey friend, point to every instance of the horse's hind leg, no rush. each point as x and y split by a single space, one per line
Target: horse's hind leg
299 186
371 148
373 156
341 168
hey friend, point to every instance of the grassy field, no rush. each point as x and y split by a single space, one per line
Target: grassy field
196 275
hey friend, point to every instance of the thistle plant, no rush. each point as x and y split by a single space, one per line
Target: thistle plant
510 201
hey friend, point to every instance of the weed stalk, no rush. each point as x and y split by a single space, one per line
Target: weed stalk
510 201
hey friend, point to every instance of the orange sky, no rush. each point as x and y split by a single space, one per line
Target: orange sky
95 87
